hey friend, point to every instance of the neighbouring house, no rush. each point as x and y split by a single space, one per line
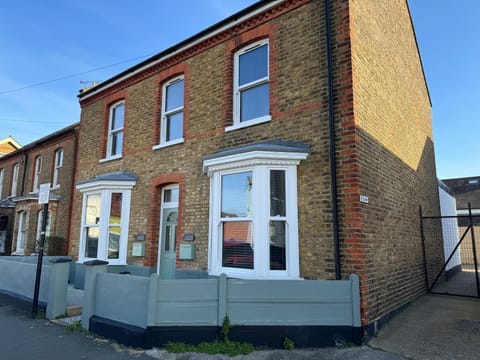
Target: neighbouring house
467 191
285 142
450 233
50 159
467 196
8 145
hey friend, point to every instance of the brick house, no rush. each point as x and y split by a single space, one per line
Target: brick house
467 191
50 159
272 145
7 145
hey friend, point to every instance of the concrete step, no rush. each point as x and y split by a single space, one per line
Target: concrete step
74 310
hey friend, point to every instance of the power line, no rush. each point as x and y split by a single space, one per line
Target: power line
72 75
34 121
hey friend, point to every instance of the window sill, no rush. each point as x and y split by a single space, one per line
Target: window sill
167 144
250 275
110 159
252 122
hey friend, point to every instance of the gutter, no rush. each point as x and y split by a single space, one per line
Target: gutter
237 18
333 159
76 135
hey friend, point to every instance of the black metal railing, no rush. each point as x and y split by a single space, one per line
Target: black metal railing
460 237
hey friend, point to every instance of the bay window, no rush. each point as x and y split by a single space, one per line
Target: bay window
253 213
105 218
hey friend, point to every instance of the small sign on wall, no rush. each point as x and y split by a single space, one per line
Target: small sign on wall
364 199
188 237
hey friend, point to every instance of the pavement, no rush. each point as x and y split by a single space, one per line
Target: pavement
22 337
432 327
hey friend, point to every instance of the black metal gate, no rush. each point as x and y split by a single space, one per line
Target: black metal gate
460 236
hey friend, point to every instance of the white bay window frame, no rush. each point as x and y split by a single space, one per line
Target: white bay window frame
105 190
260 163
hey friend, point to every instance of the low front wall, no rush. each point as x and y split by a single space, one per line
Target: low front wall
18 275
153 311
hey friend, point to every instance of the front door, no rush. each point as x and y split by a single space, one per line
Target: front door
168 233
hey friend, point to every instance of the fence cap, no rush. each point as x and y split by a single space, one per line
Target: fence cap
95 262
60 260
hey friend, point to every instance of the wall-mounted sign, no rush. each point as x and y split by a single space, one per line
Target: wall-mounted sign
364 199
188 237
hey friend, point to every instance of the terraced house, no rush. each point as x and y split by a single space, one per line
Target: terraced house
50 159
290 141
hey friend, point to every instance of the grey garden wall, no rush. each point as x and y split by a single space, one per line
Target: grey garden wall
18 280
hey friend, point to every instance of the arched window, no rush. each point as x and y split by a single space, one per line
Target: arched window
36 174
57 166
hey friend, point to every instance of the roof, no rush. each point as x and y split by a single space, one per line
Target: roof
226 23
467 190
10 140
34 196
7 203
110 177
42 140
276 145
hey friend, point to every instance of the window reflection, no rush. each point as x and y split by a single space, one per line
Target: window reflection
237 194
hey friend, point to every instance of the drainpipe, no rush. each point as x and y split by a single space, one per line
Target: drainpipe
72 188
333 168
24 175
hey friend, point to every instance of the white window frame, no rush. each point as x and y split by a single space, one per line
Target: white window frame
2 173
21 233
164 114
105 190
57 167
13 190
237 89
260 163
113 132
37 173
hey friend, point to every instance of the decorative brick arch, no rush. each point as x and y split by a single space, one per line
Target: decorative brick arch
156 186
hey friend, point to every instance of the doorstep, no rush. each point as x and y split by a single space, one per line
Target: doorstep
74 310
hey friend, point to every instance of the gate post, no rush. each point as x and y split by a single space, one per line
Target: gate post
425 268
470 218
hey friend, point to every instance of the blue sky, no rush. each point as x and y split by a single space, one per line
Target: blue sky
41 41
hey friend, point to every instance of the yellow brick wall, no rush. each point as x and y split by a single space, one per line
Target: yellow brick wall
396 165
